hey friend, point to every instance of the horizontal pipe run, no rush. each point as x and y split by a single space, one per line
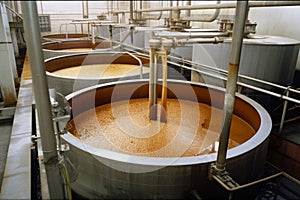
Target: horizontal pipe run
224 72
247 184
199 40
212 18
286 175
242 84
167 34
218 6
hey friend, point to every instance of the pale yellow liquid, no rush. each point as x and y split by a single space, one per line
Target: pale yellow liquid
191 129
100 70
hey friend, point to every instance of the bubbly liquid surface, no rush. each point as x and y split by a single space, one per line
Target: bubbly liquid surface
100 70
124 126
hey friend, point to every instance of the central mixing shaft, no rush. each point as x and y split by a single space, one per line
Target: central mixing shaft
158 48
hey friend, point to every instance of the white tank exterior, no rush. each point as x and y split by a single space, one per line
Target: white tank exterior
99 173
268 58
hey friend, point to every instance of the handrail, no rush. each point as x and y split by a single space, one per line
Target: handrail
224 72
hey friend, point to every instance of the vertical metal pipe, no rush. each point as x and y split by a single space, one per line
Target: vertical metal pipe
163 113
93 34
284 111
131 11
111 11
171 13
85 9
237 40
141 7
152 85
37 65
188 12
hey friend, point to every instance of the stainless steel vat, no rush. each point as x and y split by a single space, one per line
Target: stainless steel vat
99 173
64 36
58 48
268 58
67 85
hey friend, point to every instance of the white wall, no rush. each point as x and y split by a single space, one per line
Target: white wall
278 21
63 12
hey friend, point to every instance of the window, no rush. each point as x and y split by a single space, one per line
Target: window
45 24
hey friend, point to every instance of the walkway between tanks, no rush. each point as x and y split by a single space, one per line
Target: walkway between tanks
16 182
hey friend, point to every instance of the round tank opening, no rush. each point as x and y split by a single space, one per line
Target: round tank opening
141 165
193 125
124 126
78 45
72 72
101 65
63 36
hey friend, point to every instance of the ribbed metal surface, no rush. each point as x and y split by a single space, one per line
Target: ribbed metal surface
99 173
67 85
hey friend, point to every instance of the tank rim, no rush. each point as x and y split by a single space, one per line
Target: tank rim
94 52
260 136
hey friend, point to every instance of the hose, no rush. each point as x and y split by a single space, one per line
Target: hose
66 178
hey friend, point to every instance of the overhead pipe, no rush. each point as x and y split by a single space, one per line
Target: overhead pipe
231 84
41 94
214 40
152 18
131 12
169 34
199 19
219 6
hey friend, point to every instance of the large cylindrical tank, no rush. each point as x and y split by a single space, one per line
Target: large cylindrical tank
268 58
64 36
98 173
53 49
67 84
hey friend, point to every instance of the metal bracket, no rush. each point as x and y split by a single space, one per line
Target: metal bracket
61 110
223 177
64 147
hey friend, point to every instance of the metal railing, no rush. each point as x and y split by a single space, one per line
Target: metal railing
217 73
